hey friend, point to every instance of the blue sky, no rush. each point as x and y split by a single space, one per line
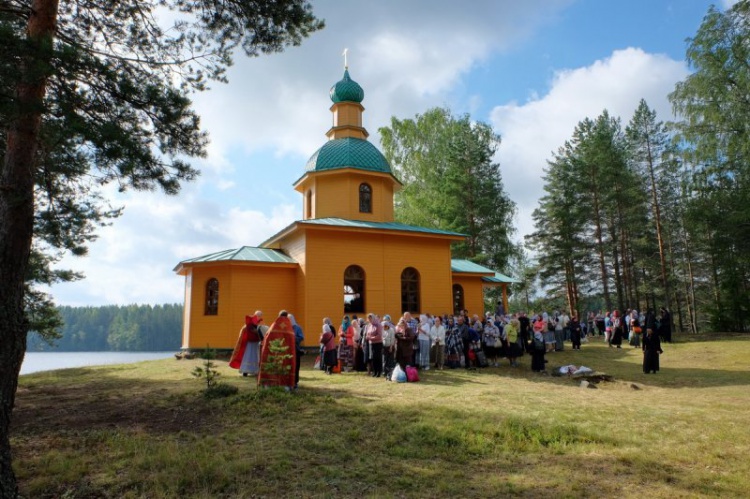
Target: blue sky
532 69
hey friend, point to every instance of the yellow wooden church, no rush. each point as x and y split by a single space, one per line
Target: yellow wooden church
346 255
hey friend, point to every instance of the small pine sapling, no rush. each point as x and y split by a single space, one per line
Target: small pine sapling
208 370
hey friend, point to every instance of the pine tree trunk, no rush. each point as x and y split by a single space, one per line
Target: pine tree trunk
659 237
691 286
600 249
17 221
678 299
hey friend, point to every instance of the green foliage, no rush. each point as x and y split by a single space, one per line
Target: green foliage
220 390
98 93
135 328
714 109
451 182
208 370
115 106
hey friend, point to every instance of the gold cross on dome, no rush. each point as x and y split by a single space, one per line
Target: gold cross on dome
346 64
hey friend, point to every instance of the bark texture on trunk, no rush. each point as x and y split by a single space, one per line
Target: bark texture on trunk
17 221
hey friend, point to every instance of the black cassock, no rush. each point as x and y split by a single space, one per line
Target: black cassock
651 350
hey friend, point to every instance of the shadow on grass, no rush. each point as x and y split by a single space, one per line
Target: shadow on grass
318 442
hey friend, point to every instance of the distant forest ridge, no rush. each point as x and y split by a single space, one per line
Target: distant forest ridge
120 328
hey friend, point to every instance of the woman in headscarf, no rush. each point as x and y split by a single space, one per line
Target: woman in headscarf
491 342
437 336
514 348
634 339
360 360
346 344
246 354
549 334
405 337
453 344
608 328
375 341
537 352
423 361
616 338
299 338
389 346
328 343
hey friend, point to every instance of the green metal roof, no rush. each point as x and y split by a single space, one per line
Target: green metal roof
362 224
469 266
500 278
243 254
347 90
348 153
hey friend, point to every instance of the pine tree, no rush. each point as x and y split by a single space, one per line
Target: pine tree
93 93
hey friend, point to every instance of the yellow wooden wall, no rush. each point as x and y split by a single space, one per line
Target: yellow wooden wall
243 288
383 257
473 293
337 195
348 114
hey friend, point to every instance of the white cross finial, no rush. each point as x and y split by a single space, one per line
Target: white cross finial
346 64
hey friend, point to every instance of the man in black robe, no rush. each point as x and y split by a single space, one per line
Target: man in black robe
651 351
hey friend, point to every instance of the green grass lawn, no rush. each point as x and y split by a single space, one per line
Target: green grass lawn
145 430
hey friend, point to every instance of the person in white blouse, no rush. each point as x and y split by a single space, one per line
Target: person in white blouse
437 337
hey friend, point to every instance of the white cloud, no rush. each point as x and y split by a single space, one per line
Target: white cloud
407 55
132 260
532 131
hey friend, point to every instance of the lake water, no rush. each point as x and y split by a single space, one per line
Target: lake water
48 361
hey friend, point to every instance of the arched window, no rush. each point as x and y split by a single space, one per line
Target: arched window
458 299
365 198
212 297
308 205
354 289
410 290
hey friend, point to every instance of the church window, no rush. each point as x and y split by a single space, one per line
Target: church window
308 205
410 290
354 289
458 298
365 198
212 297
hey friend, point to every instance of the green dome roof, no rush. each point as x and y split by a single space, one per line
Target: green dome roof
347 90
348 153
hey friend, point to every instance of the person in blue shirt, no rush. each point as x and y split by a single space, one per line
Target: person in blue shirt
299 337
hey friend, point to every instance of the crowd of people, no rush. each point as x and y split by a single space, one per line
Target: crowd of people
376 345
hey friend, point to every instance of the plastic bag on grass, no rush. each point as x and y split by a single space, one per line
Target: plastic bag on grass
398 375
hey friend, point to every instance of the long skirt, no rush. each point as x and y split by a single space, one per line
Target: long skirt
424 353
635 339
650 361
559 339
439 354
549 337
514 350
616 337
537 360
329 358
359 359
389 360
367 355
250 359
